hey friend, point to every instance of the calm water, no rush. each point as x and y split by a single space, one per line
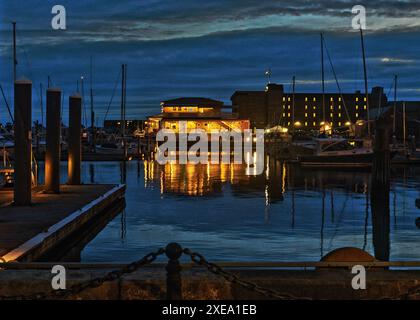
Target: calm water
287 214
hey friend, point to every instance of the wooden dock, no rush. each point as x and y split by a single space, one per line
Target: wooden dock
27 233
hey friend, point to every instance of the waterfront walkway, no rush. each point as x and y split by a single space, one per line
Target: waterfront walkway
50 218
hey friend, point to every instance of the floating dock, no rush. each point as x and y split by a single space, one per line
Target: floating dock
27 233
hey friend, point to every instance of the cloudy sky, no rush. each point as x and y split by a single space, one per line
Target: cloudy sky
205 48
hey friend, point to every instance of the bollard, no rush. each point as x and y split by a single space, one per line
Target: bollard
52 154
173 269
23 143
74 142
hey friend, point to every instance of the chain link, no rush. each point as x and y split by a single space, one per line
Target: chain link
199 259
90 284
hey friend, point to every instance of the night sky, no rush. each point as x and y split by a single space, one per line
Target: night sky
205 48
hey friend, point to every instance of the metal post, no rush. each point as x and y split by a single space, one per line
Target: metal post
52 155
23 142
74 146
173 268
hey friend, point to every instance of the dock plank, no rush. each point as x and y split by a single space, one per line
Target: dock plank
19 224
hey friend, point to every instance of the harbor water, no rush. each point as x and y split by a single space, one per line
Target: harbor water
286 214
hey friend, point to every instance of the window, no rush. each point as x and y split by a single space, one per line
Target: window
357 99
314 99
339 124
288 114
284 114
339 98
288 99
288 107
306 98
314 114
331 115
306 124
357 107
314 107
357 115
306 115
314 123
306 107
284 98
332 99
364 107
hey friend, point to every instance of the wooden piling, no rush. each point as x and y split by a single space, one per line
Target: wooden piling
23 143
74 142
52 154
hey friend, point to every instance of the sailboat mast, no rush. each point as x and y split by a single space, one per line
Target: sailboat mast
293 103
395 104
14 51
92 112
123 79
323 78
366 81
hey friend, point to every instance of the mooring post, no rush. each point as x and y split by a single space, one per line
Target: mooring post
173 269
23 143
74 142
52 154
380 186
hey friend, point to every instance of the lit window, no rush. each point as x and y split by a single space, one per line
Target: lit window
339 98
288 123
306 107
314 114
314 99
314 107
331 99
306 98
314 123
364 107
331 115
306 124
357 107
288 99
331 107
288 107
339 124
339 107
306 115
364 99
339 115
357 99
284 98
284 114
357 115
284 107
288 114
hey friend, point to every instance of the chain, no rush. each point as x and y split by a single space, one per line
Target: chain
199 259
94 283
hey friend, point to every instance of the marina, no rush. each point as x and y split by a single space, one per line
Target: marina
222 186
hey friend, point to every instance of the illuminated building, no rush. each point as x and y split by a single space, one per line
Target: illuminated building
198 113
303 110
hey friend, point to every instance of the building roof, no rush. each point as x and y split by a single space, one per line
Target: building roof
192 101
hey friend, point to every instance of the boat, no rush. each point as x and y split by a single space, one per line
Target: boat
339 153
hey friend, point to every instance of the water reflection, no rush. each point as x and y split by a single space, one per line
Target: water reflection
287 213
